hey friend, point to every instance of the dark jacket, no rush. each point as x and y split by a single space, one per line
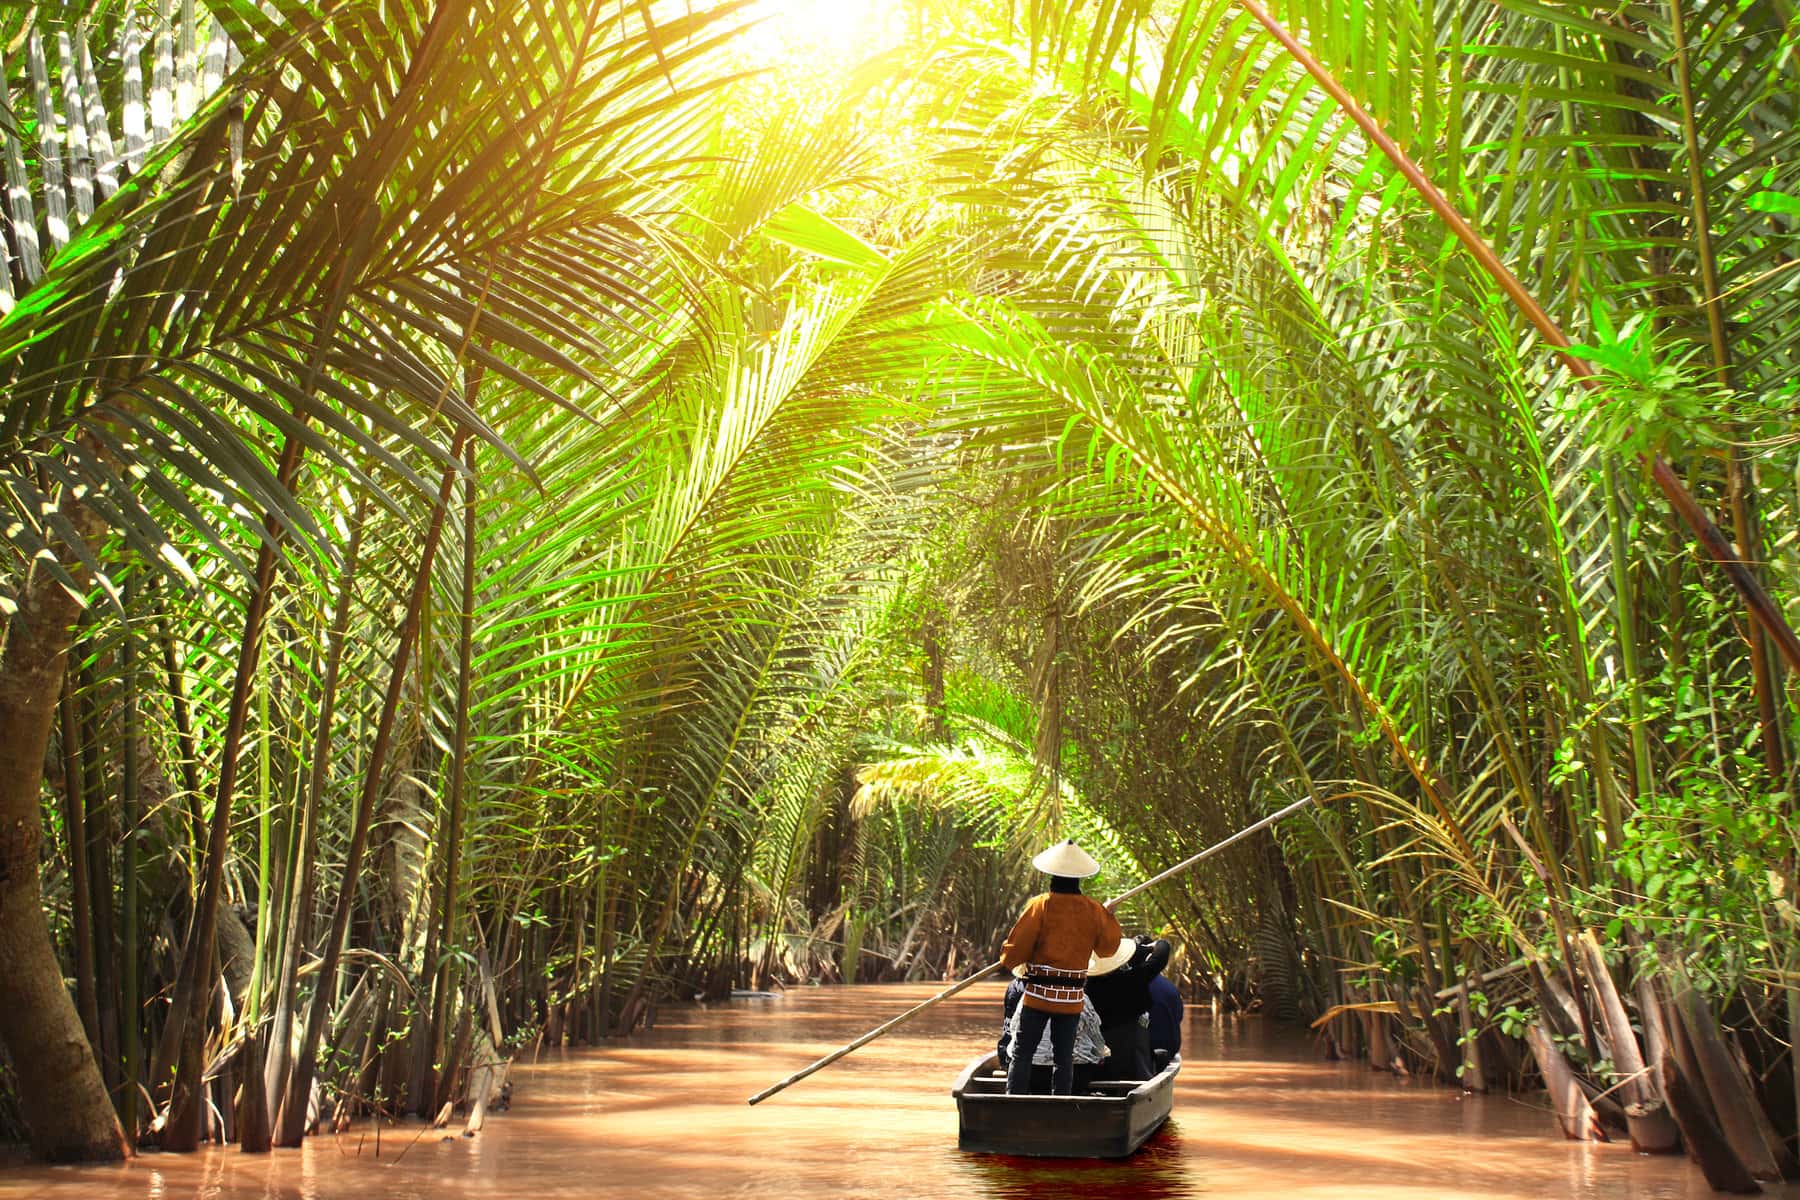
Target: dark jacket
1165 1016
1122 996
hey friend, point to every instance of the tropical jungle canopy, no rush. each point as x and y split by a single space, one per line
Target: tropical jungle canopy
517 513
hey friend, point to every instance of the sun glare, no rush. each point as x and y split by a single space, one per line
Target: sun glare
833 34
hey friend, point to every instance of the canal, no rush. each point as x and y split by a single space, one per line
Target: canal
663 1114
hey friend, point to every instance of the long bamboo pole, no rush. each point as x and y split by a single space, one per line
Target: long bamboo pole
962 984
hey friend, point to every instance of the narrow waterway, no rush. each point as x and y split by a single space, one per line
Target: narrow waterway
663 1114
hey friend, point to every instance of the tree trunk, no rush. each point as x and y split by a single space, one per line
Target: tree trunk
1724 1170
280 1052
300 1078
1734 1103
184 738
1382 1055
199 963
1444 1046
934 674
100 885
1793 1031
1579 1121
130 998
1740 488
445 937
67 1112
1474 1072
75 830
253 1100
1652 1129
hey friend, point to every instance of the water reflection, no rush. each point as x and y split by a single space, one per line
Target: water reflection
663 1115
1159 1171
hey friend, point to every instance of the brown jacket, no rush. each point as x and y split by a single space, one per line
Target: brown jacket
1059 930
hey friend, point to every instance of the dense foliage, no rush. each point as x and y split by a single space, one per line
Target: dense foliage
572 508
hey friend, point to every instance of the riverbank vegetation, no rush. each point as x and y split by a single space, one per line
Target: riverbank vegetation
517 514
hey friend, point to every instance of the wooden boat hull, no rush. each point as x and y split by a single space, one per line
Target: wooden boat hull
1110 1124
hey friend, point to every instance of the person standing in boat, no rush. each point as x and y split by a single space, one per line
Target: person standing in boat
1049 948
1090 1045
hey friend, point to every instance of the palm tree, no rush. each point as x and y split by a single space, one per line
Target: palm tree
309 257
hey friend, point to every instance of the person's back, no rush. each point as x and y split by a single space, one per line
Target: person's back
1055 937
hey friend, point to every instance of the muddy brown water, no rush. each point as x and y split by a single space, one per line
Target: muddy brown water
663 1114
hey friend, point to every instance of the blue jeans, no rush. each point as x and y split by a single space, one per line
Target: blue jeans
1062 1048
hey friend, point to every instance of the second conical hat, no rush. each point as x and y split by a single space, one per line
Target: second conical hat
1067 859
1099 965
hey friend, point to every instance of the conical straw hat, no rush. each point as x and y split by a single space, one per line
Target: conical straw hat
1068 860
1098 965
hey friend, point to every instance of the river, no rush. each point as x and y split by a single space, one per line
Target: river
663 1114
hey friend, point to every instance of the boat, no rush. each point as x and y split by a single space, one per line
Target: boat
1110 1120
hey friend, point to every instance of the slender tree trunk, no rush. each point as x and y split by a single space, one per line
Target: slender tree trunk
80 896
184 738
934 673
99 856
1652 1128
1625 619
266 878
1474 1071
188 1012
67 1112
1576 1115
252 1115
1793 1032
130 1001
199 965
1740 493
443 978
293 1105
578 973
253 1102
606 912
280 1053
1724 1170
603 946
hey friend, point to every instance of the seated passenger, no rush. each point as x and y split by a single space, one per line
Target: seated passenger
1165 1020
1090 1046
1119 986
